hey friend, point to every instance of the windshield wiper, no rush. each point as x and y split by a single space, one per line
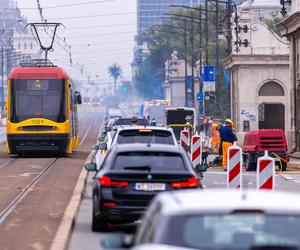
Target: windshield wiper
274 247
144 168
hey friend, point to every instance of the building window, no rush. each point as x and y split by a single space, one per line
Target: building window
271 89
31 46
25 46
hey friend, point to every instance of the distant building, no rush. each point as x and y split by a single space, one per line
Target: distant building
290 28
150 12
260 84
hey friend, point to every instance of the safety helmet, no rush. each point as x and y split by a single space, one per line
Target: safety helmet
229 121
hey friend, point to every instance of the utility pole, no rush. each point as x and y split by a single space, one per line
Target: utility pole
185 65
2 78
206 32
217 59
202 103
193 62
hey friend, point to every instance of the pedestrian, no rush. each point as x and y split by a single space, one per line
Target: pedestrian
227 138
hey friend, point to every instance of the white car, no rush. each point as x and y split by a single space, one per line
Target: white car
134 135
220 219
145 134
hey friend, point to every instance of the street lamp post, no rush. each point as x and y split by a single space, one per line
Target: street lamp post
186 102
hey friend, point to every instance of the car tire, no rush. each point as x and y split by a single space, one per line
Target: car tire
249 166
98 224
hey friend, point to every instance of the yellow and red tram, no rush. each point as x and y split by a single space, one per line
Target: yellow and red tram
41 111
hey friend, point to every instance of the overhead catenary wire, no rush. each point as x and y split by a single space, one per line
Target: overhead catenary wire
102 34
90 16
69 5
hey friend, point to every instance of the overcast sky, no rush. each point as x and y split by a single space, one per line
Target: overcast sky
98 47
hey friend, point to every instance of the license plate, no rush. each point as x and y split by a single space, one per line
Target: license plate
150 186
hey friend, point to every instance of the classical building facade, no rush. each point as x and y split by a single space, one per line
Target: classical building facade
260 79
290 28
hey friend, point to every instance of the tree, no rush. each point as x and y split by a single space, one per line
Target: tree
163 39
115 71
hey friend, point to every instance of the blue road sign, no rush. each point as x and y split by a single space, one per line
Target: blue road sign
200 96
209 73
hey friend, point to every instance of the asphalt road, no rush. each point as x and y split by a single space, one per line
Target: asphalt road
83 238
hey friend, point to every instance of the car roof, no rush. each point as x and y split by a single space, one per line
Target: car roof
120 128
132 117
227 201
143 147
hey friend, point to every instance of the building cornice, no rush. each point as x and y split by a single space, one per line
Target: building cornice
289 25
236 60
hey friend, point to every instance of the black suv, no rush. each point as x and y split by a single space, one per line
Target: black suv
131 175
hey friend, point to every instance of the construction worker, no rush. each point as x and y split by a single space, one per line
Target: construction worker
216 140
227 138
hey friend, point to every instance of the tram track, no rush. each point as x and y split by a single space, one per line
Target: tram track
11 161
26 177
7 210
14 169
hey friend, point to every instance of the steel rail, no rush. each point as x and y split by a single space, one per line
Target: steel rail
20 197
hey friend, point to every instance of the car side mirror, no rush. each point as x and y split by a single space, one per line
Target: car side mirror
117 241
102 146
91 167
201 168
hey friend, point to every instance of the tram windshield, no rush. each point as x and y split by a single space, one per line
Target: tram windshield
38 99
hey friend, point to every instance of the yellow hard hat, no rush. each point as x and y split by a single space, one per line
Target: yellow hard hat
229 121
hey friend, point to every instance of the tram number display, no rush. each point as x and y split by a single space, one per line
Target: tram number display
37 122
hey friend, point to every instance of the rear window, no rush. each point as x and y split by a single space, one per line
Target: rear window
130 121
145 136
149 161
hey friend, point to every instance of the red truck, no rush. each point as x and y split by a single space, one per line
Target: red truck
257 141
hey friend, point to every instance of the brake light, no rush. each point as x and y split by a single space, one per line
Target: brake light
107 182
190 183
109 204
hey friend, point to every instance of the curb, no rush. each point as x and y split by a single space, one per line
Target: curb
64 230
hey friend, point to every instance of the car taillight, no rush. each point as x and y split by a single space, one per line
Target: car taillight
190 183
109 204
107 182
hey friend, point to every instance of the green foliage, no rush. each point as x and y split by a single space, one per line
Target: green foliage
163 39
115 71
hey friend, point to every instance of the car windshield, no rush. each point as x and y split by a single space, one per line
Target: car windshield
232 231
150 161
131 121
145 136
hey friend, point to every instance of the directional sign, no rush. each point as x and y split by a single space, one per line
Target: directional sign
209 86
200 96
209 73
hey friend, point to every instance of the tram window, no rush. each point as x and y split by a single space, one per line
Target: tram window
37 85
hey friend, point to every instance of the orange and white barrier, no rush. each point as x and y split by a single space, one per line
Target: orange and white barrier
196 150
234 167
265 172
185 138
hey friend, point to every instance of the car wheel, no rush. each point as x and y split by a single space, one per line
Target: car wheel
249 166
99 224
